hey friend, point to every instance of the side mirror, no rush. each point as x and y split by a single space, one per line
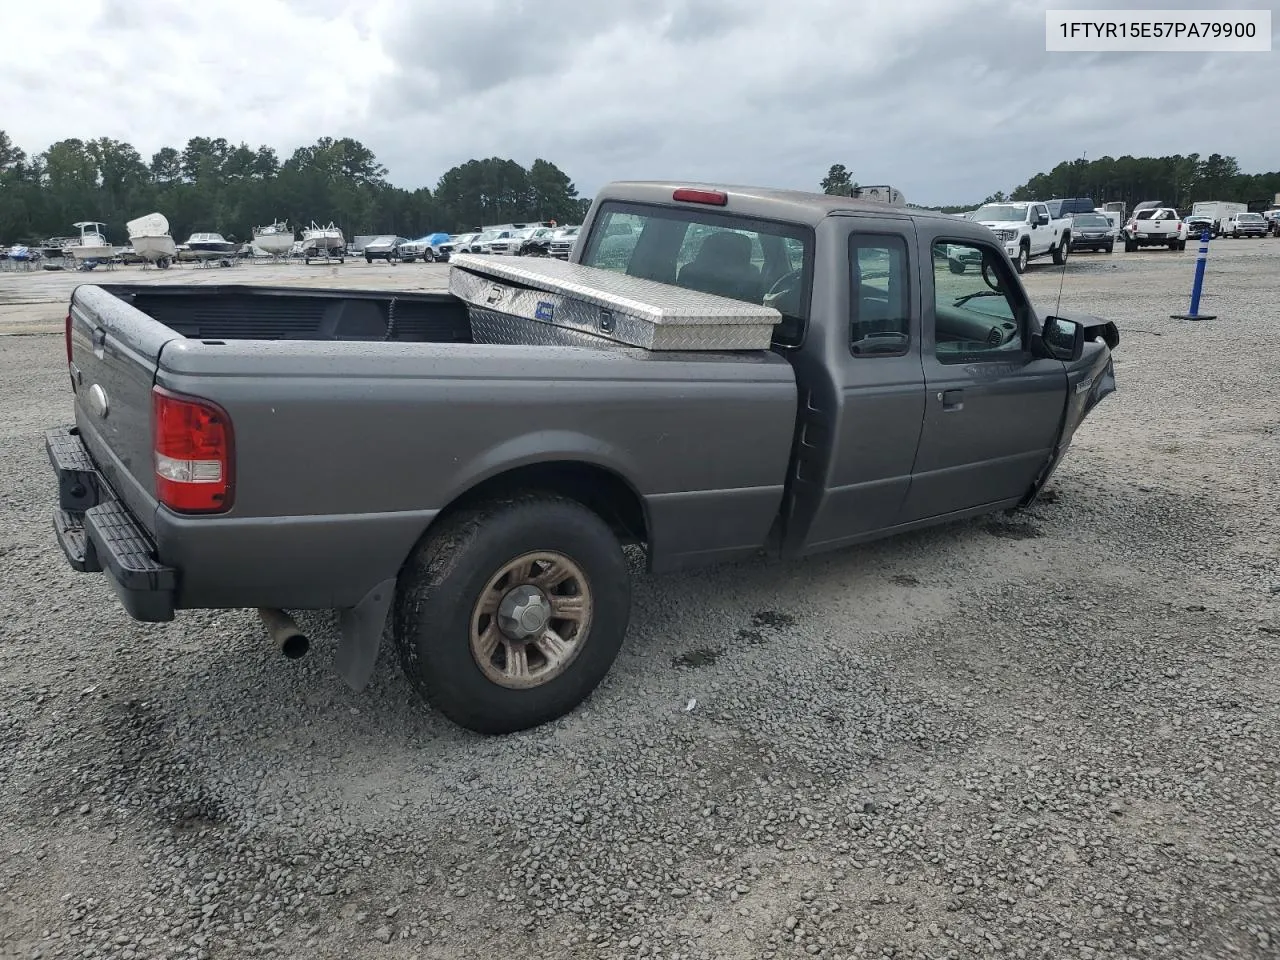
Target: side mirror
1042 220
1064 339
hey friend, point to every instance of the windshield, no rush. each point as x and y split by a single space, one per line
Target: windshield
1001 211
1090 220
756 261
1249 217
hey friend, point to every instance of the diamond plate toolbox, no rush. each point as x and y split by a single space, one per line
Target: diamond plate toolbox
602 303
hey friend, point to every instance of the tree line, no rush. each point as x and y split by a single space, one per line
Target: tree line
211 184
1176 180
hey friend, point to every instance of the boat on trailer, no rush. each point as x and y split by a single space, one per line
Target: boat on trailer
92 245
323 243
210 246
275 239
152 241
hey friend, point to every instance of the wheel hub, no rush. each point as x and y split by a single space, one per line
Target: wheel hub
524 612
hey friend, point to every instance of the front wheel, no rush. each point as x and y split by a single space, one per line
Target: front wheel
1110 247
509 614
428 256
1023 258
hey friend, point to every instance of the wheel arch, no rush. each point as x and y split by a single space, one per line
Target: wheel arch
601 489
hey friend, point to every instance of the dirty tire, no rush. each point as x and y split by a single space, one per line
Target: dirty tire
439 587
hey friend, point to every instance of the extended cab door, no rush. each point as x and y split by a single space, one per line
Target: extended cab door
862 387
992 410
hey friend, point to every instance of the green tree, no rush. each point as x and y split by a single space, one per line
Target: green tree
210 183
552 195
838 181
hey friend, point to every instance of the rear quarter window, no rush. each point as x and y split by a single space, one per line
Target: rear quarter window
756 261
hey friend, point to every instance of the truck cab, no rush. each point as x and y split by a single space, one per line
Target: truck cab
926 393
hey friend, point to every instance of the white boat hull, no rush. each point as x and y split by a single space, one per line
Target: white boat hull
91 252
152 249
275 244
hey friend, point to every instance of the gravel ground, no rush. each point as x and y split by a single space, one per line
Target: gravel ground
1051 735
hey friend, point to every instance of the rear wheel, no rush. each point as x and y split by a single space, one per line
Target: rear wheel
1182 244
509 614
1062 251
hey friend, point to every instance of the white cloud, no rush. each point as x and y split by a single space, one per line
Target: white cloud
155 74
947 101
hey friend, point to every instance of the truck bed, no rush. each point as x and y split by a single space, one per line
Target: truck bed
344 452
235 312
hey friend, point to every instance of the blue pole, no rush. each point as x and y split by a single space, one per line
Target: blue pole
1202 256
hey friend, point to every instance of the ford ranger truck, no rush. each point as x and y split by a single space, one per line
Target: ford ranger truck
356 450
1026 231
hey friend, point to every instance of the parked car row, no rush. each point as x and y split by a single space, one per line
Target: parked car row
510 240
1029 229
516 240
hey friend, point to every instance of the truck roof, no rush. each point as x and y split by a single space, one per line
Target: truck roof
796 206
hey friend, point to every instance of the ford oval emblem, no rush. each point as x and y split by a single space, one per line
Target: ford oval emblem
98 401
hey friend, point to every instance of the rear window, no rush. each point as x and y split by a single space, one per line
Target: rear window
756 261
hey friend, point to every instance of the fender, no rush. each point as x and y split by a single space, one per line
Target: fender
1089 381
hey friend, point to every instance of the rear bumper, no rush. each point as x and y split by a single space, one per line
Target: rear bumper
98 534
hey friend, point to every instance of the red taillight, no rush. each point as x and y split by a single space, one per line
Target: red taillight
192 441
689 195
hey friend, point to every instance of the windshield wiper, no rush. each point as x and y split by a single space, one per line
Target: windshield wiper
960 301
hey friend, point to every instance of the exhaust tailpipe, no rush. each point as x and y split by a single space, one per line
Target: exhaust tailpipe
284 633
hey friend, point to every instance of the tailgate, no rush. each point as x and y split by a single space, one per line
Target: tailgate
114 352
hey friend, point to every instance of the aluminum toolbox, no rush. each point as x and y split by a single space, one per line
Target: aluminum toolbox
554 302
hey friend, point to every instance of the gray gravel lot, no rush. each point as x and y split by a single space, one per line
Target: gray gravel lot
1048 735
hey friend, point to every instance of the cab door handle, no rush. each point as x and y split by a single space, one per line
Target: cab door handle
952 399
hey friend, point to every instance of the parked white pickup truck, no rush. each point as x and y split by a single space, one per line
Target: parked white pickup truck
1155 227
1026 231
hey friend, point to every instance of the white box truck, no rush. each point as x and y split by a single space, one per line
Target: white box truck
1218 211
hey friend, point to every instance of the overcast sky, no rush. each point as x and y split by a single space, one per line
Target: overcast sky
949 100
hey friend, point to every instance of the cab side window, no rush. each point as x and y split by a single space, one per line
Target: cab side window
879 307
978 311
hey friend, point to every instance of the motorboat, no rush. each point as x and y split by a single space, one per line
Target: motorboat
52 248
323 243
92 245
210 246
151 240
275 239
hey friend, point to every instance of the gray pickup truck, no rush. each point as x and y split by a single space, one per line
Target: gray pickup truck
286 449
